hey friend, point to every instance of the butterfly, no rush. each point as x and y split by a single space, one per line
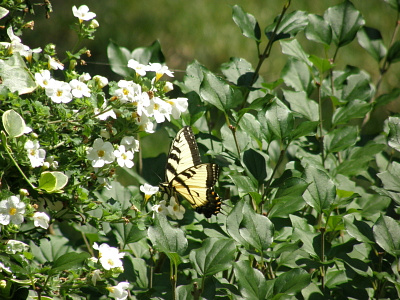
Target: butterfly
187 176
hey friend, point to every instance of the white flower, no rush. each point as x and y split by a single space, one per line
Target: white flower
59 92
94 24
51 162
179 105
138 67
102 153
83 13
142 102
168 87
159 109
12 210
79 88
148 190
175 210
14 246
109 257
85 77
130 143
128 90
96 276
101 81
144 123
108 112
54 64
160 70
160 208
119 291
35 154
124 158
15 46
44 79
4 268
40 219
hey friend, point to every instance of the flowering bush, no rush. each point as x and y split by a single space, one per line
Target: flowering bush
310 201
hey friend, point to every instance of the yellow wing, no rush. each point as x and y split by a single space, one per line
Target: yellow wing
187 176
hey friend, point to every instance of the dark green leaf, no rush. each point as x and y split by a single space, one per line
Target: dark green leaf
387 235
219 93
297 75
321 192
166 238
152 53
256 164
288 199
215 255
280 119
68 261
299 102
292 282
345 20
359 230
290 25
252 282
341 139
247 23
371 40
252 126
357 87
391 177
318 30
352 110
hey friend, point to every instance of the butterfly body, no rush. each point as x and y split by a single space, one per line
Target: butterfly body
187 176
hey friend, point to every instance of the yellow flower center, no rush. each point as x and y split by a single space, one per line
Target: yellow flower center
156 106
59 93
101 153
12 211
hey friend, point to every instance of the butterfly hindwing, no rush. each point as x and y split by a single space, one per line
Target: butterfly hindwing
187 176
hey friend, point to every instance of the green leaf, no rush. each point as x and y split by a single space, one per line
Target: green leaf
280 119
238 71
387 234
394 53
321 192
50 248
194 76
321 64
288 199
219 93
394 133
387 98
249 228
15 75
251 126
345 20
290 25
166 238
52 182
293 48
357 87
299 102
68 261
318 30
244 184
13 123
215 255
292 282
306 128
252 283
119 57
297 75
341 139
371 40
256 164
148 54
247 23
359 230
128 233
391 177
352 110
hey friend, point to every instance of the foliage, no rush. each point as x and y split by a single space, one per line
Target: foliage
310 202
